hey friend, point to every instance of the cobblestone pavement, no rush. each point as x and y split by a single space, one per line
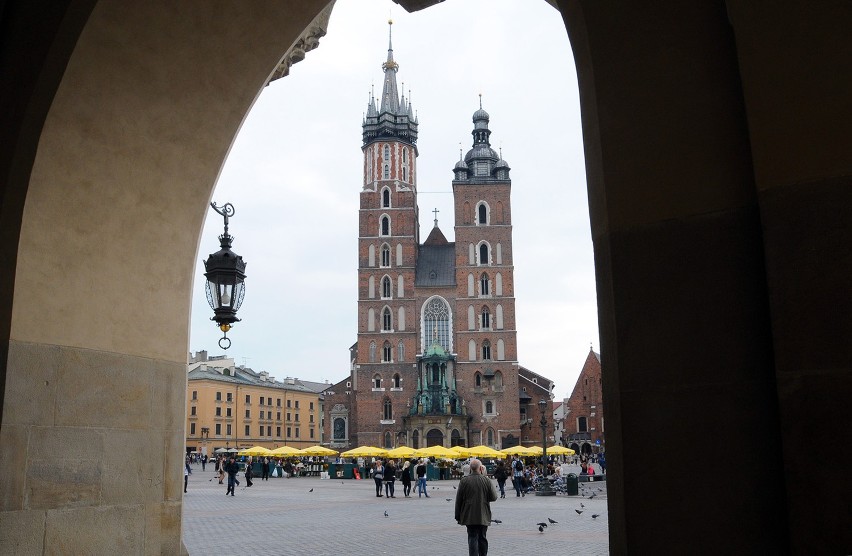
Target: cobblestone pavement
283 517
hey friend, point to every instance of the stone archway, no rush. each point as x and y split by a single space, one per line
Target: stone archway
434 438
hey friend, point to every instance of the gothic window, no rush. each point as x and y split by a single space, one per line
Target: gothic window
477 380
371 256
400 290
371 287
386 255
499 317
372 352
499 254
501 350
385 231
486 350
387 320
386 288
484 256
388 441
486 318
489 407
490 437
400 352
484 285
470 285
471 319
482 214
436 323
387 153
405 173
471 350
387 352
398 254
499 282
377 381
387 413
386 198
400 322
582 424
396 380
371 320
386 172
471 253
498 379
415 439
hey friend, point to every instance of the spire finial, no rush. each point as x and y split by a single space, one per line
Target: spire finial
436 211
480 101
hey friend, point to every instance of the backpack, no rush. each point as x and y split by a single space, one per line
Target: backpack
518 465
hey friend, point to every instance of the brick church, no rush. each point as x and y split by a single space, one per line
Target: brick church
436 358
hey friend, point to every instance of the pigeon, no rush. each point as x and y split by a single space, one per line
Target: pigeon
578 511
496 521
582 505
592 496
542 524
551 521
454 488
311 490
595 516
449 499
540 529
386 513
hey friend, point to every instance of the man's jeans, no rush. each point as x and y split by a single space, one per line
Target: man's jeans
477 544
421 486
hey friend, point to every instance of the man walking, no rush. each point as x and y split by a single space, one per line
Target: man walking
473 507
231 468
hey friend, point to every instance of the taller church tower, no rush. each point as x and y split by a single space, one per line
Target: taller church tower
387 256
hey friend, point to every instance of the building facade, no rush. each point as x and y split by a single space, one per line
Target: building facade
229 406
436 358
583 422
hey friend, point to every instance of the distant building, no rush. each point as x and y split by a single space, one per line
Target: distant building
584 411
231 406
436 358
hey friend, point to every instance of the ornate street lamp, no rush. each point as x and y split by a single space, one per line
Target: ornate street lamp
226 274
545 489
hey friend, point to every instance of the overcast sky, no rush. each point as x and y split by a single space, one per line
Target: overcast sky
294 176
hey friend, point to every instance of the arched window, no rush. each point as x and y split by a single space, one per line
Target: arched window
387 153
498 379
371 320
489 407
386 172
501 350
398 254
396 380
388 441
400 288
484 256
400 352
377 381
489 436
386 288
387 319
486 350
482 214
436 323
400 321
387 413
486 319
386 198
415 439
470 285
371 287
477 380
386 258
387 352
372 352
385 231
371 256
484 285
471 318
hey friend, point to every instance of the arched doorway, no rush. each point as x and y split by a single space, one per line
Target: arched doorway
456 439
434 438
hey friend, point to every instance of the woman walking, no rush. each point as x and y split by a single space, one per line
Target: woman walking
378 476
406 478
501 475
390 478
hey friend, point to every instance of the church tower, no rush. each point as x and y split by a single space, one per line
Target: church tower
487 365
387 256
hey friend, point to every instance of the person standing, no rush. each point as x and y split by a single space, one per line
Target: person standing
406 478
501 475
231 468
473 507
186 472
204 462
264 470
249 472
390 479
421 478
378 476
518 477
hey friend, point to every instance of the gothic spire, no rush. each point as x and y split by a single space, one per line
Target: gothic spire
390 95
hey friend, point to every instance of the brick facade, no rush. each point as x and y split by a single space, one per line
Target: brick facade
584 410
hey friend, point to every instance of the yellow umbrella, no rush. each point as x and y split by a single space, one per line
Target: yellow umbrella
436 451
534 451
255 451
364 451
286 451
401 452
560 451
318 451
516 451
462 451
483 451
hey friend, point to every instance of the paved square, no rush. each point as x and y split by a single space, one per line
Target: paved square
283 517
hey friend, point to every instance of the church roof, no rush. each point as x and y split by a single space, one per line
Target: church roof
436 262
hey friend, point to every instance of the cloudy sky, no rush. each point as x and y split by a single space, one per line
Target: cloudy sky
294 176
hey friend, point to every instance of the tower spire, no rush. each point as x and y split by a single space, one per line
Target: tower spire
390 94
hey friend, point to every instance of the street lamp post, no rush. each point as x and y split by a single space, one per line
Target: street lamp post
544 485
226 274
